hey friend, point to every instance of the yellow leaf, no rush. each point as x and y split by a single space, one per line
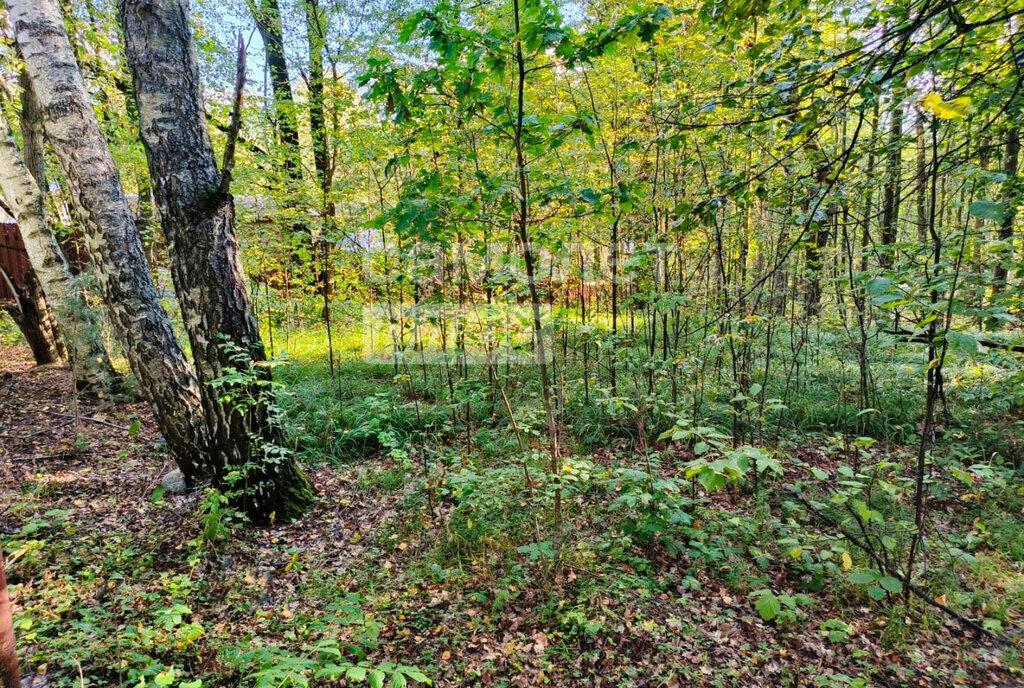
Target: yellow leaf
847 562
796 552
952 109
930 101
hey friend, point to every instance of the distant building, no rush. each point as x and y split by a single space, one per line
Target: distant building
13 263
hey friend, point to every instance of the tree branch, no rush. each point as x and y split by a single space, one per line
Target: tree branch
969 623
236 119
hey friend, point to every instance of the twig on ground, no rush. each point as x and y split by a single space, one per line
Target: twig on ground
94 420
69 455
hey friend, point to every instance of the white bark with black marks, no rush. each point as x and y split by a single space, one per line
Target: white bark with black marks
78 324
115 248
198 217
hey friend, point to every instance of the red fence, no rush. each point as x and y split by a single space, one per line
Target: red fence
13 259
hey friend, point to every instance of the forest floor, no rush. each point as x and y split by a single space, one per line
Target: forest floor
115 583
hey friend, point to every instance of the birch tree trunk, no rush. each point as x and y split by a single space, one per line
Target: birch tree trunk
32 134
198 216
77 323
31 313
140 322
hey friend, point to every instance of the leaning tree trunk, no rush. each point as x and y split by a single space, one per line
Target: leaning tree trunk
78 324
31 313
10 672
198 216
132 299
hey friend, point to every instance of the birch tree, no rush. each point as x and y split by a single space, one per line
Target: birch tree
133 302
198 216
78 324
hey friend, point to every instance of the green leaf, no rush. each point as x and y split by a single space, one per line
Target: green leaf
356 673
415 674
158 494
962 340
377 678
398 680
988 210
876 593
891 584
863 577
768 606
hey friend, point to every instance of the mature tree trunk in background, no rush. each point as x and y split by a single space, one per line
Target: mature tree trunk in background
814 248
31 313
1011 159
198 216
922 183
78 324
267 15
132 300
891 192
818 241
315 30
10 672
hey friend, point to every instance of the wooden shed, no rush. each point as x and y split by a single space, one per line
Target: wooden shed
13 261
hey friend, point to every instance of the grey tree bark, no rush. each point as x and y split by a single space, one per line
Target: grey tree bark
139 320
78 324
32 134
198 216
